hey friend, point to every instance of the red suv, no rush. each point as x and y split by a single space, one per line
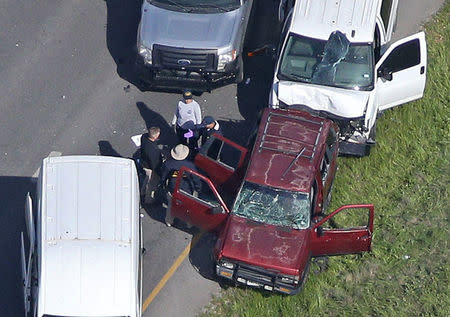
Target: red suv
267 205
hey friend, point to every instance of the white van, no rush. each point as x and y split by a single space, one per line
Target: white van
83 253
336 60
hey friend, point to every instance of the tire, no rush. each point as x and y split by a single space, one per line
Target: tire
304 277
322 263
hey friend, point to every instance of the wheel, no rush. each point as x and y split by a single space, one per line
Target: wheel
304 277
322 264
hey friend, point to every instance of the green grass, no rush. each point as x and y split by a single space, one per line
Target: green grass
407 178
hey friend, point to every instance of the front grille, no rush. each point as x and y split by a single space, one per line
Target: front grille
249 273
183 58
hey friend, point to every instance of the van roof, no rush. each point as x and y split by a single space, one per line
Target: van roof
318 19
90 216
287 149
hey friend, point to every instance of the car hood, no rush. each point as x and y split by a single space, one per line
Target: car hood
337 101
187 30
271 247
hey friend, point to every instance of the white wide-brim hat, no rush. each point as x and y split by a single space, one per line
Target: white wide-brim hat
180 152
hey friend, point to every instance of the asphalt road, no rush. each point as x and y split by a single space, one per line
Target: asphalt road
67 85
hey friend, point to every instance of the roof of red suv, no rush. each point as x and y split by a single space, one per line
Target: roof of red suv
287 149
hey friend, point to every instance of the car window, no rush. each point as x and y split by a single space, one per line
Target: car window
224 153
336 62
198 189
386 8
404 56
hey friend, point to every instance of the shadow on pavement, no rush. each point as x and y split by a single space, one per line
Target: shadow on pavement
238 130
12 222
154 119
263 31
105 148
253 92
201 256
121 32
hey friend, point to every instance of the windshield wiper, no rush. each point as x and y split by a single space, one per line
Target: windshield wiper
208 5
182 7
294 77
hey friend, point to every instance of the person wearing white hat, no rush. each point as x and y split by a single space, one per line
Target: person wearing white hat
179 158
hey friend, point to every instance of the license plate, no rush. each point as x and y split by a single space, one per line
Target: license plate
250 283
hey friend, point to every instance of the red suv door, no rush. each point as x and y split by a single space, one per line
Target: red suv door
222 160
205 208
329 241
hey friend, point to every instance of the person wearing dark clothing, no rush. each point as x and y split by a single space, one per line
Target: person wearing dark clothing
171 167
151 157
209 127
151 153
170 170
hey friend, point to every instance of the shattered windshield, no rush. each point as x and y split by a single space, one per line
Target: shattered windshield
273 206
198 6
336 62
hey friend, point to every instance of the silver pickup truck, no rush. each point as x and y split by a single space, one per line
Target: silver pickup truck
192 44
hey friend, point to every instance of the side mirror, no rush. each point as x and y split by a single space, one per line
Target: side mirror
385 73
319 231
217 210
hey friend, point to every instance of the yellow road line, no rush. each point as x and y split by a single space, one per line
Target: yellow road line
170 272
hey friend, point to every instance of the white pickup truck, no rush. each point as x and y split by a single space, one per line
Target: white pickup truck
335 59
81 255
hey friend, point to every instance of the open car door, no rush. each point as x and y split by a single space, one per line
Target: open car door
222 159
196 201
337 241
401 72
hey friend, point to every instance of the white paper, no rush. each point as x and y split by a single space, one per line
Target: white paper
136 139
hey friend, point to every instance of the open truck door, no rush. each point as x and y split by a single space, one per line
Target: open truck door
222 159
337 241
196 201
401 72
27 262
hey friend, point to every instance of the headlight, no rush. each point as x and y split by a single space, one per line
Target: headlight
290 279
225 59
146 53
228 265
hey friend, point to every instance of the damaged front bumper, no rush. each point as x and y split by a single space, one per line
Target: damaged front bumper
355 139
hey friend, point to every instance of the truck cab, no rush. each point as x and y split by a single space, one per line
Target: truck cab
81 254
336 59
268 205
191 44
